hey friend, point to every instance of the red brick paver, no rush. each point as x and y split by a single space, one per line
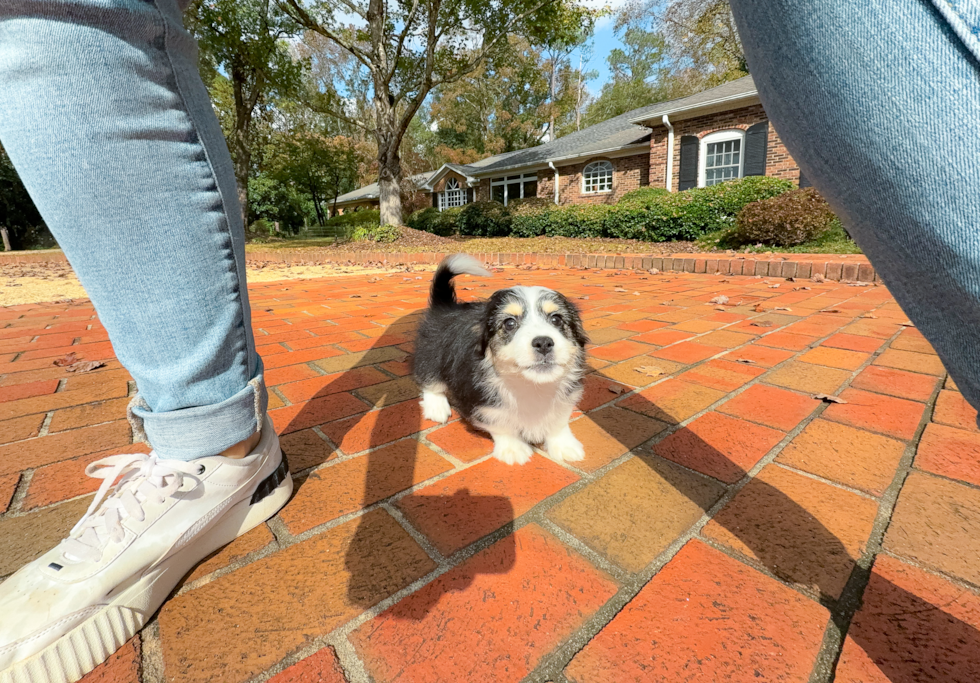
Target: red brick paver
408 554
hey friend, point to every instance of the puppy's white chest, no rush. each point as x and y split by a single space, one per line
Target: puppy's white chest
532 411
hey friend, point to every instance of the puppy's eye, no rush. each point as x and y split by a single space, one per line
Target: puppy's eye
510 324
556 320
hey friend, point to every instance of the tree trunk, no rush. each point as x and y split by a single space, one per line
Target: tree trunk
389 177
241 148
6 239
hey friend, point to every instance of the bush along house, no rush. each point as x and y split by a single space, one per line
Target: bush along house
703 139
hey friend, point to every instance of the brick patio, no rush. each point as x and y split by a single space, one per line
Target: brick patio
725 525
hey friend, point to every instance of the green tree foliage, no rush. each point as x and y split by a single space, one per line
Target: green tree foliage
246 61
702 36
411 47
18 215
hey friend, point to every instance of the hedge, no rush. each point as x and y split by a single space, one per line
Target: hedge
784 221
650 214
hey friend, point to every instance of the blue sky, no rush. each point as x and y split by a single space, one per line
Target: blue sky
603 42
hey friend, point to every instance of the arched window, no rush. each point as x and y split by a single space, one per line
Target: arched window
597 177
452 196
721 157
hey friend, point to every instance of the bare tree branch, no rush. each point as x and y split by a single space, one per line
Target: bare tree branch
308 22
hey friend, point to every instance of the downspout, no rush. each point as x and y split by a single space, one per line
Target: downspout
552 167
670 152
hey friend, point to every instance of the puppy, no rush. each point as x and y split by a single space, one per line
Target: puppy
512 365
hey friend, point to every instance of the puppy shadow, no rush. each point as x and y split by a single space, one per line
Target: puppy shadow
381 379
775 531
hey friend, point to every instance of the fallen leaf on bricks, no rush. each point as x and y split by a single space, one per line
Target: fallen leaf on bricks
782 308
653 271
831 310
762 323
719 308
829 399
759 309
636 294
355 296
724 280
744 360
797 289
583 297
619 289
617 389
819 278
721 299
774 286
907 323
870 315
651 370
791 279
66 360
85 366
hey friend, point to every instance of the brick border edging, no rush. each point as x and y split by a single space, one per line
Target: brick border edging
821 264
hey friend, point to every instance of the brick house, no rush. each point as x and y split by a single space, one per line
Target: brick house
706 138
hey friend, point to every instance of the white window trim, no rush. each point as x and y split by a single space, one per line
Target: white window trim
612 175
720 136
502 181
443 196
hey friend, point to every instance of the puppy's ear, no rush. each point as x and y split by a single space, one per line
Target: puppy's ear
488 327
574 321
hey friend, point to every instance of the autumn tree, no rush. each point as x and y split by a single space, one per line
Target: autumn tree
410 47
702 34
243 44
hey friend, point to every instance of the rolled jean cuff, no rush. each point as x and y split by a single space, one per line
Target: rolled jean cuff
201 431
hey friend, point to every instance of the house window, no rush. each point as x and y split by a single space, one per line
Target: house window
721 157
597 177
452 196
513 187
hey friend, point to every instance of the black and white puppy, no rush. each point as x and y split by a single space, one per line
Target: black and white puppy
512 365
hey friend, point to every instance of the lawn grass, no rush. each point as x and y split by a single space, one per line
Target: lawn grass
834 241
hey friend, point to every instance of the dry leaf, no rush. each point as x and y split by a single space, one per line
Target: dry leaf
619 289
773 286
759 309
829 399
85 366
653 271
617 389
744 360
831 310
797 289
583 297
720 299
66 360
908 323
818 277
782 308
719 308
636 294
870 315
791 279
651 370
762 323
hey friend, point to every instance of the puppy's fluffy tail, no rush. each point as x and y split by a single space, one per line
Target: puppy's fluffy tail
443 294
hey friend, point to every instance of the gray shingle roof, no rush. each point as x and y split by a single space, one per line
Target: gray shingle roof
372 191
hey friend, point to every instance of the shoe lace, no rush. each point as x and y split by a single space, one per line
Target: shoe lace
142 477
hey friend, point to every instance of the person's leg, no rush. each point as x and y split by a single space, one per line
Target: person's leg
878 102
105 117
107 121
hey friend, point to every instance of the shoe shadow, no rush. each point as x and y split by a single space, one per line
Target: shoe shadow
945 648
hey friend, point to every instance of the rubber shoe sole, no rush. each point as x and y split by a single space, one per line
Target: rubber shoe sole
94 640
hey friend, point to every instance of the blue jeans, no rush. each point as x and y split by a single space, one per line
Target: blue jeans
105 117
879 103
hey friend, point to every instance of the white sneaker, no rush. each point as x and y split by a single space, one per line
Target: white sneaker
67 611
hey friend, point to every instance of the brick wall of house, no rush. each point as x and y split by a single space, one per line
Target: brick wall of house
779 163
629 173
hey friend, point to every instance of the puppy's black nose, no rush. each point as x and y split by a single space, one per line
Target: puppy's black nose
543 345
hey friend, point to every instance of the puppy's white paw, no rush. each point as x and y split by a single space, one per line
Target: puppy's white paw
511 450
435 407
565 447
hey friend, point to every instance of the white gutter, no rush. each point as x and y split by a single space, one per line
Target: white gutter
552 167
670 151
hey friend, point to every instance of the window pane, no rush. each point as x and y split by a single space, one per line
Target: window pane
513 191
497 194
513 177
530 188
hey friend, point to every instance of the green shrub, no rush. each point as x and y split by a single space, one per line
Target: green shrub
365 218
444 223
484 219
784 221
643 196
529 217
382 234
581 220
